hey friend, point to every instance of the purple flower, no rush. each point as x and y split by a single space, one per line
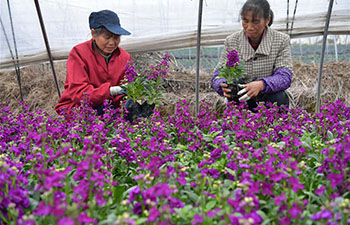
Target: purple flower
133 193
66 221
197 219
284 221
324 214
153 215
280 199
42 209
214 173
83 218
294 211
175 203
212 213
267 188
137 208
193 184
181 180
295 184
320 190
232 58
216 153
130 72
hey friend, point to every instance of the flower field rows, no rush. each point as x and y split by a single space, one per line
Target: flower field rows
270 167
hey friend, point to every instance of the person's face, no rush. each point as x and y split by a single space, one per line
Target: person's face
107 42
254 26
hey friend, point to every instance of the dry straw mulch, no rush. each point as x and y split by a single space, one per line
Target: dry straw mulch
40 92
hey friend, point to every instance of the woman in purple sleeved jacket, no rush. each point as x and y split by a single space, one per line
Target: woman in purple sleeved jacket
266 54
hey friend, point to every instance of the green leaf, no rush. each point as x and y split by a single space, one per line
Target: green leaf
237 214
267 221
314 156
118 192
193 196
315 197
211 204
330 135
281 144
232 172
141 220
110 220
263 215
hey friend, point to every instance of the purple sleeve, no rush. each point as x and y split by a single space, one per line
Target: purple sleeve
279 81
216 83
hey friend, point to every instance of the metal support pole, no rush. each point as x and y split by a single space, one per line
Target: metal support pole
47 45
198 52
324 42
15 61
335 48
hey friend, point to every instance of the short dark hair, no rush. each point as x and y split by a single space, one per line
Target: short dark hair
258 8
101 30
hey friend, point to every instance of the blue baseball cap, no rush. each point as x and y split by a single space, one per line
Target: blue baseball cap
107 19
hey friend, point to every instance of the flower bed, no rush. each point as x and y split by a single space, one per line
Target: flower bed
272 167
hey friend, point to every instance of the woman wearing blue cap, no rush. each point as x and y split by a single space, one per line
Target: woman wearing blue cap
96 67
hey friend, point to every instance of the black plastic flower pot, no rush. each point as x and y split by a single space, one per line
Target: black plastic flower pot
251 103
147 109
234 92
134 110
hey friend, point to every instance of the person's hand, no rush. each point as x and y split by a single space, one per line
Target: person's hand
116 90
225 90
250 90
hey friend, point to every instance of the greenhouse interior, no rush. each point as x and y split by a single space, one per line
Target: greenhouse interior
193 156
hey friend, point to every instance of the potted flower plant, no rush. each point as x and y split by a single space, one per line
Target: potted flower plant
233 72
146 90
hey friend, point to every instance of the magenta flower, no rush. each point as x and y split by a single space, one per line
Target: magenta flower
130 72
320 190
43 209
324 214
280 199
66 221
214 173
212 213
285 221
198 219
133 193
84 218
295 184
175 203
294 211
153 215
181 180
